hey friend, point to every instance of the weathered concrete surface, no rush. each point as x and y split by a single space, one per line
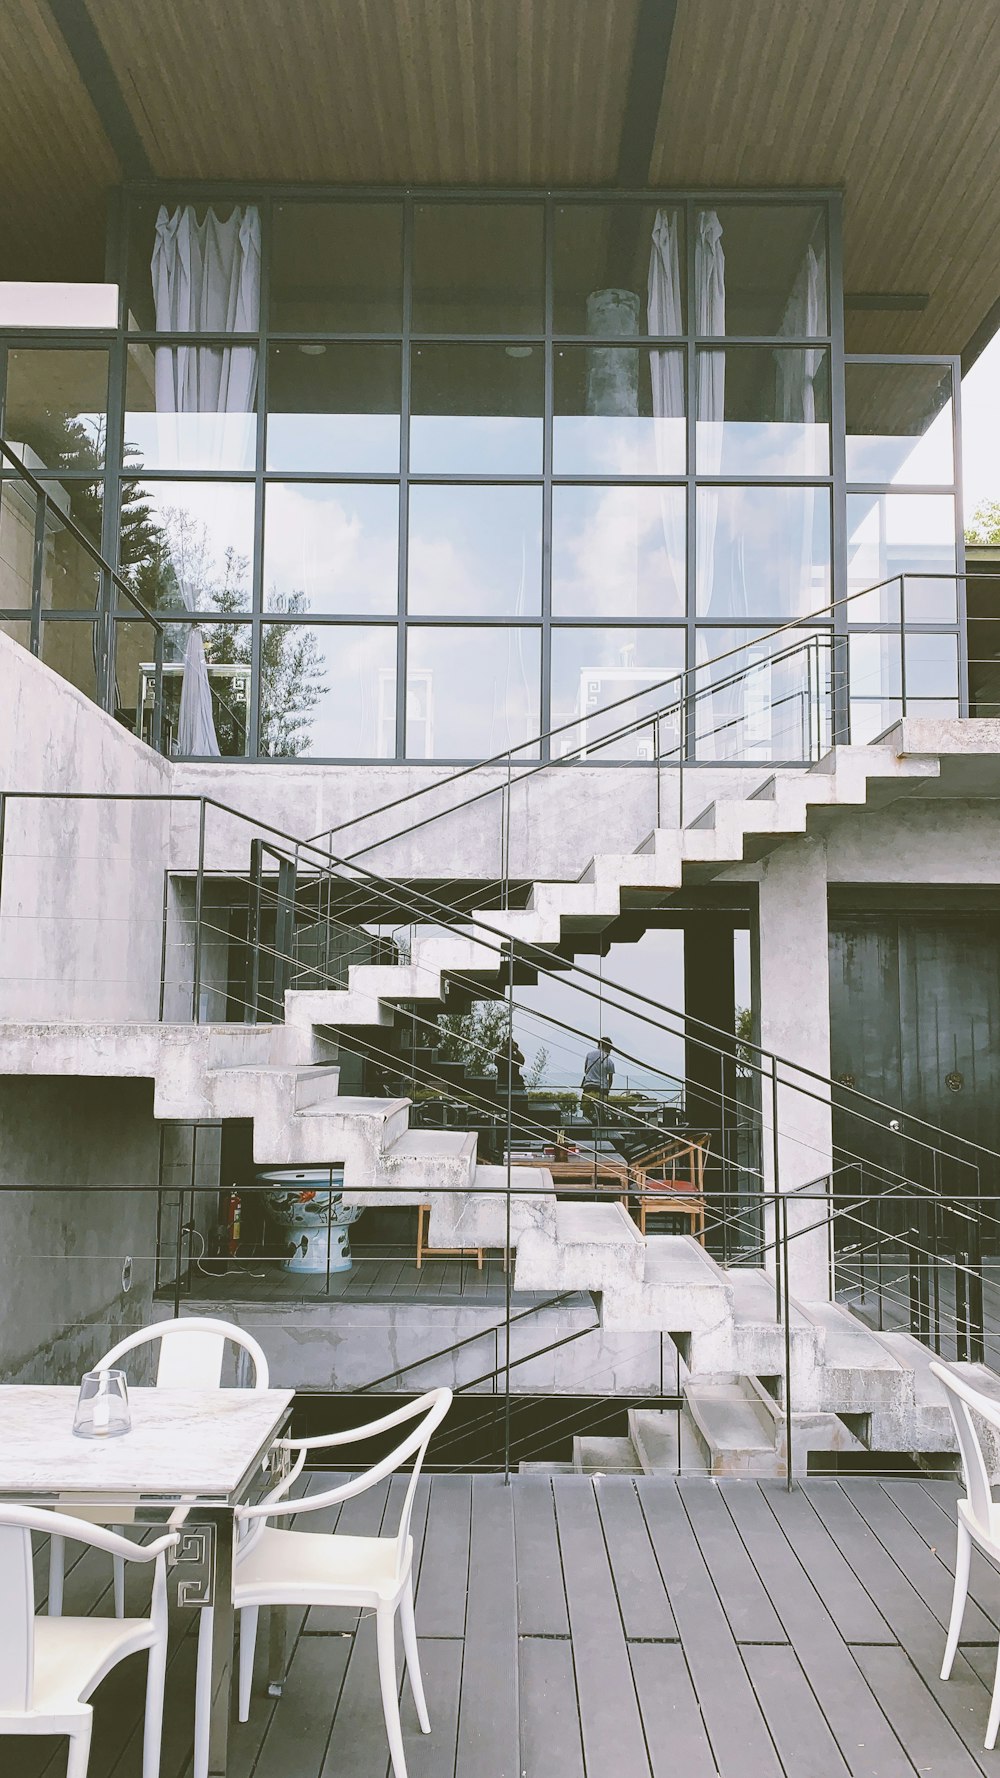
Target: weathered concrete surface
794 1011
346 1345
65 1237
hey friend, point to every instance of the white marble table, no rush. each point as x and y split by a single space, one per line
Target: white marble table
205 1447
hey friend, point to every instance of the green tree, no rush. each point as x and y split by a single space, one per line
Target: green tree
984 525
474 1037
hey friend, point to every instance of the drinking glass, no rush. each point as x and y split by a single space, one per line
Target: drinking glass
102 1409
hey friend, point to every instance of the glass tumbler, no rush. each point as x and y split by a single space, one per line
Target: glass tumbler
102 1409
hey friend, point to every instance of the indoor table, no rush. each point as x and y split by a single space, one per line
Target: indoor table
205 1450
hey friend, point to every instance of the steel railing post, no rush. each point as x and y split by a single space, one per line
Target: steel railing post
199 895
783 1210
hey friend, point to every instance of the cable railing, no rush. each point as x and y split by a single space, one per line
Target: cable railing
74 590
710 713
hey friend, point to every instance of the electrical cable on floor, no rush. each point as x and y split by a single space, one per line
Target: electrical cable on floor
231 1270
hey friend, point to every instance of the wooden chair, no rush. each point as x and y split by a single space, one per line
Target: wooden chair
670 1181
440 1252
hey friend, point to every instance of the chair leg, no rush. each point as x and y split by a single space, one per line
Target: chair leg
57 1574
420 1236
203 1692
994 1723
152 1729
78 1758
412 1656
385 1630
248 1643
119 1569
963 1558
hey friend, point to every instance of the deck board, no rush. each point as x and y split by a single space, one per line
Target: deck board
610 1720
609 1628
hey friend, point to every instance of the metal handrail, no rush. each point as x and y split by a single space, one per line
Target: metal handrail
509 755
81 537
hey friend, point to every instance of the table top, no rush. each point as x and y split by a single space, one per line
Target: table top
201 1443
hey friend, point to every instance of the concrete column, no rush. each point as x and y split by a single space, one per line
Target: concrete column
794 1004
709 996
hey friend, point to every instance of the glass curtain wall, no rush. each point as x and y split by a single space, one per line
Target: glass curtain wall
421 476
55 419
904 537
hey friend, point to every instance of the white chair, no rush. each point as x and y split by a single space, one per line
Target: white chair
192 1353
978 1514
50 1666
279 1568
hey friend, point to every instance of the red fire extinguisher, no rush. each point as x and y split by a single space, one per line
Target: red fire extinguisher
233 1222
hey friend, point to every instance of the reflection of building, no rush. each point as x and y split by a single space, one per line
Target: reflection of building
609 685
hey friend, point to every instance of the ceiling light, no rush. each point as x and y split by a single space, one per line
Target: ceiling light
315 351
519 351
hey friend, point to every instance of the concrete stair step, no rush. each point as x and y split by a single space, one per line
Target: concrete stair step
665 1442
735 1435
537 1466
605 1456
859 1370
595 1247
683 1292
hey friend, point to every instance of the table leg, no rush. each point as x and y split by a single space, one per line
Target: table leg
277 1659
220 1705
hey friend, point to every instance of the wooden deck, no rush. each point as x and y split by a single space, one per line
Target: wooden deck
614 1628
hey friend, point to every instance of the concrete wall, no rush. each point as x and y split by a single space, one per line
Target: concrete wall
82 885
65 1242
347 1345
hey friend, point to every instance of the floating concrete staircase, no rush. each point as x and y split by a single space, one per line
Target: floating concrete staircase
852 1387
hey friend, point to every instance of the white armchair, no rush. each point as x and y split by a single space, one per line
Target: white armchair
50 1666
192 1354
292 1567
978 1513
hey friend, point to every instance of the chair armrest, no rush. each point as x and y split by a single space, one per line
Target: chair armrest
356 1434
41 1518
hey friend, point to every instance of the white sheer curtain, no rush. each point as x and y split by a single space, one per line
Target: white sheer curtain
665 315
206 278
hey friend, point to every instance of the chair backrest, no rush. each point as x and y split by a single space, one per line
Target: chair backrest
690 1148
963 1400
17 1618
192 1352
438 1402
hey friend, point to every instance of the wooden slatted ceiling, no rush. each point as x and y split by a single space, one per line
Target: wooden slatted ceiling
895 100
497 91
55 162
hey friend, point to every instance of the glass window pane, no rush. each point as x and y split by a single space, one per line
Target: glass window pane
475 550
619 410
331 549
871 717
761 268
477 409
71 579
336 268
188 545
763 552
470 693
592 668
899 423
135 677
478 268
333 407
194 268
762 697
931 666
763 411
892 534
17 545
227 650
191 407
875 667
55 409
17 629
618 552
328 691
619 269
69 649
